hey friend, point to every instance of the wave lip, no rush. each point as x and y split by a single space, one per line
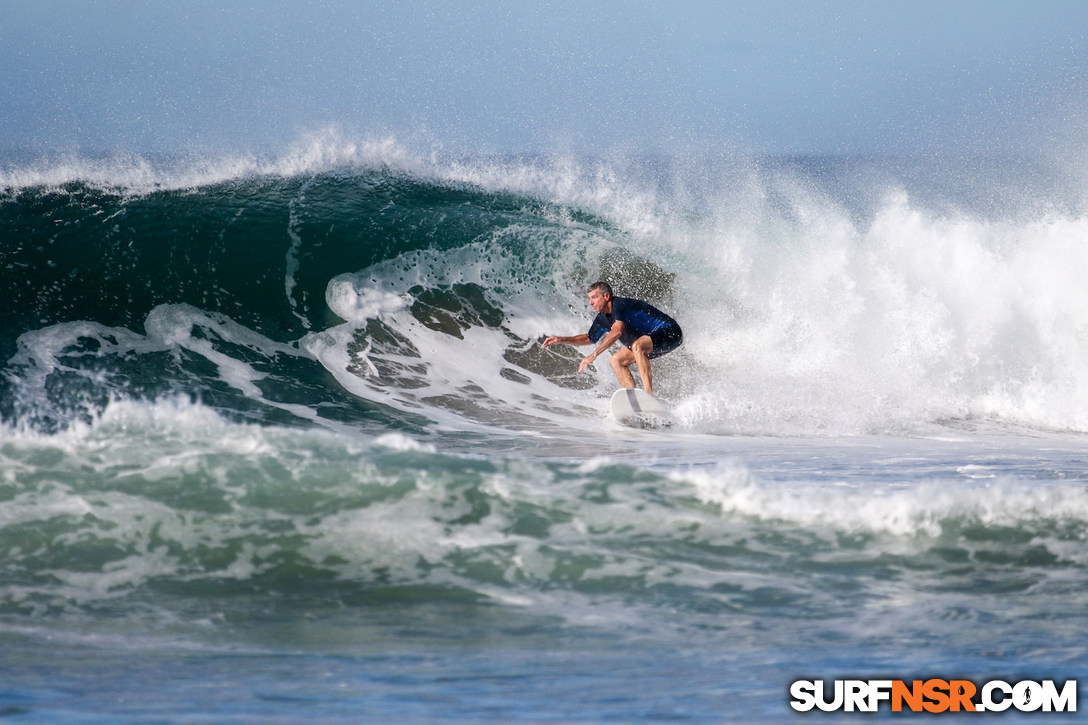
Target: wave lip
132 173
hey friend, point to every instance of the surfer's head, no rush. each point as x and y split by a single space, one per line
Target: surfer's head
600 296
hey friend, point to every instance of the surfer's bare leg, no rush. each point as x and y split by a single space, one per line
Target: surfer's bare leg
623 359
620 361
640 350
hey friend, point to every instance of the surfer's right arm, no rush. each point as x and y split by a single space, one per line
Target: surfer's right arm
582 339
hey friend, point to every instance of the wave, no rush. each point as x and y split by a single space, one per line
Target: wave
362 285
168 512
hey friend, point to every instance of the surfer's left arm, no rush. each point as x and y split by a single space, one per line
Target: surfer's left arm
606 342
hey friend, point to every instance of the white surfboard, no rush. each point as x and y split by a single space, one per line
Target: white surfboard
639 409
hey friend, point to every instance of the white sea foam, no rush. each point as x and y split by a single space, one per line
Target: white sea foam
401 442
359 304
921 508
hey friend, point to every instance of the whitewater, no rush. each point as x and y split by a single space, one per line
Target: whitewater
278 440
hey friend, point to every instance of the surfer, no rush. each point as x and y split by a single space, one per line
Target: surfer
644 331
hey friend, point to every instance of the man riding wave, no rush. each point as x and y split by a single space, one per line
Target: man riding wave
644 331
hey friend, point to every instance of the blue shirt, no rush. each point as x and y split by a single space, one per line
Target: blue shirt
639 318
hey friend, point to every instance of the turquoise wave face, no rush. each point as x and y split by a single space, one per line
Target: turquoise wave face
260 250
105 284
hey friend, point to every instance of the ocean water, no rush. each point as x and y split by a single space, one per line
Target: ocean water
278 442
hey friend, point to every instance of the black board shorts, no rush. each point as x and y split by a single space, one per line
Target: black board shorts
666 340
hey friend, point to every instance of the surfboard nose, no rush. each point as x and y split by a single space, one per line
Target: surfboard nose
638 409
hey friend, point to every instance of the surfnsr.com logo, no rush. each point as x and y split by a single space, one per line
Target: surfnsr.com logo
933 695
